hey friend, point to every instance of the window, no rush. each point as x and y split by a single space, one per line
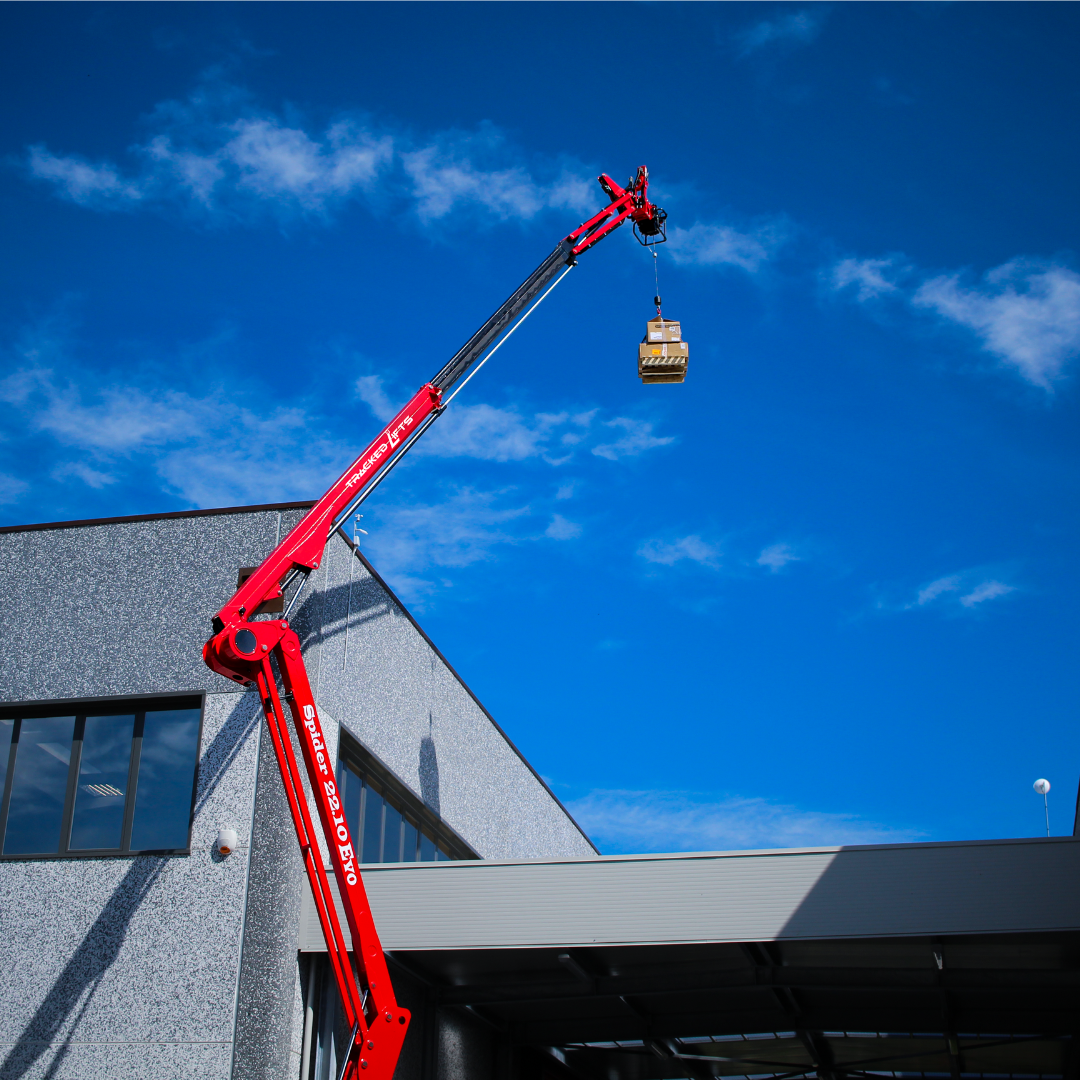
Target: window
389 822
107 778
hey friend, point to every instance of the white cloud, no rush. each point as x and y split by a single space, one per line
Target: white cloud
646 821
1026 313
573 192
464 529
275 161
209 450
687 547
11 488
217 156
491 434
637 439
867 276
80 470
721 245
370 390
936 588
441 182
565 491
209 166
986 590
792 28
973 584
777 556
83 182
561 529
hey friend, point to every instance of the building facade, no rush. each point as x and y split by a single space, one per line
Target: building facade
130 947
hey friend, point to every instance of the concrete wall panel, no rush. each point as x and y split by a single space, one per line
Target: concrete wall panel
143 956
111 964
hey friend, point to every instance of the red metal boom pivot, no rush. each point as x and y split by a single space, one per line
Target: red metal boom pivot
248 650
630 202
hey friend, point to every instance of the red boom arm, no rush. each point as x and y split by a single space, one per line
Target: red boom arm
241 649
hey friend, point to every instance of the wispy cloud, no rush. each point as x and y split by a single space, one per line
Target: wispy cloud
220 157
493 434
82 181
444 176
668 553
637 437
413 538
653 821
777 556
216 168
208 450
986 590
11 488
1027 313
865 276
723 245
967 588
370 390
789 28
561 529
936 588
490 433
93 478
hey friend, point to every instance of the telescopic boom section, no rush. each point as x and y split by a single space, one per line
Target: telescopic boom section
266 654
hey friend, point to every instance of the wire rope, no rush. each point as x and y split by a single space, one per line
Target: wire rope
506 336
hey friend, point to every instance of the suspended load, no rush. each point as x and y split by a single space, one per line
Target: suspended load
663 354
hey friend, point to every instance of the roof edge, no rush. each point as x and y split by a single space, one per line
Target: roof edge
258 508
468 690
737 853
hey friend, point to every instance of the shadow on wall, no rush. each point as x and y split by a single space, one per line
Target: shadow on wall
947 889
77 984
327 614
429 769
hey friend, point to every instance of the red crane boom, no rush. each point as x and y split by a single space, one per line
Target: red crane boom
246 650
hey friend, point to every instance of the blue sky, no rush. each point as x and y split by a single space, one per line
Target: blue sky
823 592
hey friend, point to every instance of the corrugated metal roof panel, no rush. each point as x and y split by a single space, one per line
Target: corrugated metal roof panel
887 891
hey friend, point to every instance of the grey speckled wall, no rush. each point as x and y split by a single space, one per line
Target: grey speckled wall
187 966
127 967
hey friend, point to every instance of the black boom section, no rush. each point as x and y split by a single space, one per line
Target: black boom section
479 343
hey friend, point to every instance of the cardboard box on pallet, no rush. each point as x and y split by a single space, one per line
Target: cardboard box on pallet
663 330
663 363
674 349
660 365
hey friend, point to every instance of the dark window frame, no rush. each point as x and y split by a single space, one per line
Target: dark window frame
375 772
122 705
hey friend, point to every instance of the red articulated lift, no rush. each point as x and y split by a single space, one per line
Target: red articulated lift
248 651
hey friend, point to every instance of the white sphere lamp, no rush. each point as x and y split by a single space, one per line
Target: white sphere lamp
1042 787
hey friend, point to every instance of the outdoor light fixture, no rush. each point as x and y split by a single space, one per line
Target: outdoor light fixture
1042 787
226 841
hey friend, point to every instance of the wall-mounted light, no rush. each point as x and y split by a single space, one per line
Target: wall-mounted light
226 841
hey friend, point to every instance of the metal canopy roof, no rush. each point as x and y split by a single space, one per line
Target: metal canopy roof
950 960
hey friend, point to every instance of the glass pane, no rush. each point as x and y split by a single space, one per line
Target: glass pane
441 856
39 786
170 752
391 851
103 775
427 848
350 786
373 807
7 728
409 846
